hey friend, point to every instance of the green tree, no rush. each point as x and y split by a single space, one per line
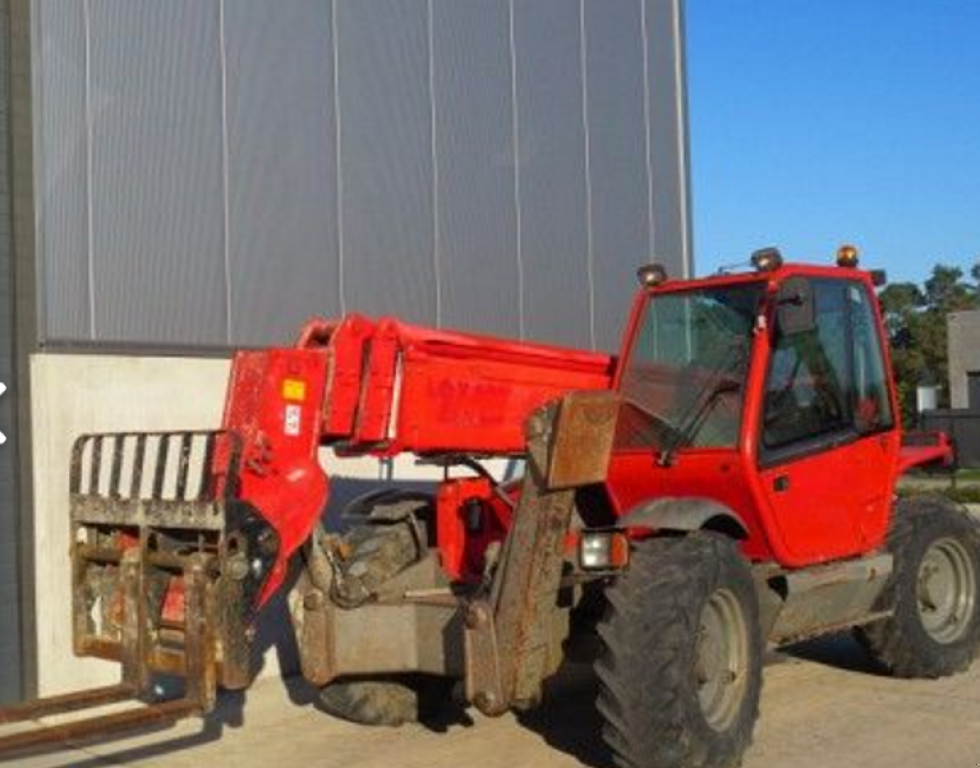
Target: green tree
915 319
901 306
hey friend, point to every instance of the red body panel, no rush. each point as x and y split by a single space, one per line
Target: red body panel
394 388
471 393
835 503
345 342
925 448
462 543
720 475
274 403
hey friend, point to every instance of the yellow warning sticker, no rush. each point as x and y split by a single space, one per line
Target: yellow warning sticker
294 389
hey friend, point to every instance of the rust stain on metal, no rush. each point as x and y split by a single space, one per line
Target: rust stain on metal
197 663
483 679
71 702
568 445
164 714
582 441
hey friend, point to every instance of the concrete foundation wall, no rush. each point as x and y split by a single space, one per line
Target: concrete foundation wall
74 394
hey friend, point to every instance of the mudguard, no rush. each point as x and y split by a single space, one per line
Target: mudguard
685 514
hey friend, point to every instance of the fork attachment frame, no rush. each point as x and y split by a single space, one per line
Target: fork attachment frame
167 567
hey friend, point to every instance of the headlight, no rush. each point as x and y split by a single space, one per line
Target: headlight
603 550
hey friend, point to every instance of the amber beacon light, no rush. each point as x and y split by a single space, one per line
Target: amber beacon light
847 256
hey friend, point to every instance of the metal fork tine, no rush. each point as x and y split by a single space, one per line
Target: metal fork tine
69 702
160 715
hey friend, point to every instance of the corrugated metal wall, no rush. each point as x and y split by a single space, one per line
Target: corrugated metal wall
214 172
11 652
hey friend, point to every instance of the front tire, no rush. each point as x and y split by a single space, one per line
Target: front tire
934 592
681 669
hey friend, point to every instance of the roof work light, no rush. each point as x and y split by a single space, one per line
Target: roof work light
767 259
651 275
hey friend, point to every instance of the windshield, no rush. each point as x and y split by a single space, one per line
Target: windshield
685 374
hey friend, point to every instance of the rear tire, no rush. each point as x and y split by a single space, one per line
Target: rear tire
391 701
934 592
389 536
681 669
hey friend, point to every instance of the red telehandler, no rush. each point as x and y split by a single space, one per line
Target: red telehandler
727 481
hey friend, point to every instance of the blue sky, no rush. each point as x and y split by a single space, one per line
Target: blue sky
818 122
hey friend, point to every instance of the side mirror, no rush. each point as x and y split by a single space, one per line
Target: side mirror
795 311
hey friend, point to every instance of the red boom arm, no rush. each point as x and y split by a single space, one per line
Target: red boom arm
380 389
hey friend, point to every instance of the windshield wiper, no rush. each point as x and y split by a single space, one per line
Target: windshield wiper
721 383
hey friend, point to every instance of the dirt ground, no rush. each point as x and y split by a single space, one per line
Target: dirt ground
822 706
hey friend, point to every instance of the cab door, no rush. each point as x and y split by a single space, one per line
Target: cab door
828 442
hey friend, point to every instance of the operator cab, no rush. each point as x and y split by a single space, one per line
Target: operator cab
766 390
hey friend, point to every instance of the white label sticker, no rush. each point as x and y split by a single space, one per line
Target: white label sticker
293 413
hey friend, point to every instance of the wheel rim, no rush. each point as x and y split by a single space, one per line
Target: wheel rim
722 659
946 591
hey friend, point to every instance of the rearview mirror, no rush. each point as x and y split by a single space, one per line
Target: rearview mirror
794 307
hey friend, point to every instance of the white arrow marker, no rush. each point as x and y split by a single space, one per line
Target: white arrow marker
3 437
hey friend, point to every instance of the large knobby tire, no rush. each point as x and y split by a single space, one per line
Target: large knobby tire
680 672
389 537
370 702
934 592
391 701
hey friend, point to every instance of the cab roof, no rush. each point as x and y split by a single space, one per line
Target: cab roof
773 277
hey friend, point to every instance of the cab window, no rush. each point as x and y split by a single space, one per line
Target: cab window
830 381
869 393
